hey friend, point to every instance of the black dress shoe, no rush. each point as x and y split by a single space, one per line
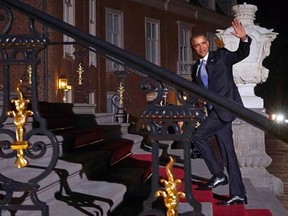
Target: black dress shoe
234 200
213 183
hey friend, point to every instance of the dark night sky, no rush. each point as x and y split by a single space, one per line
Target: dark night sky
274 15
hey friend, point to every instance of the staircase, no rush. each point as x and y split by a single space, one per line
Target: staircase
68 191
260 201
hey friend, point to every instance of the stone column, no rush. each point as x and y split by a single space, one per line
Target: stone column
250 141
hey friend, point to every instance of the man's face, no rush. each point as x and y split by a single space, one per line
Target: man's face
200 45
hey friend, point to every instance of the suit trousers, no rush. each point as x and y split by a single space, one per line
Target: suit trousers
211 126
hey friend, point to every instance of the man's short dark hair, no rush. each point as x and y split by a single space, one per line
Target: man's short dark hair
198 35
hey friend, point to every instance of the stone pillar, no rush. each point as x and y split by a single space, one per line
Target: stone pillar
250 141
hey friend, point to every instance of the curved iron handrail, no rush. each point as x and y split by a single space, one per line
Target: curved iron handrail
148 69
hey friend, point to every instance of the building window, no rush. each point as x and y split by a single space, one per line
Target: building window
69 17
152 37
184 49
111 108
92 30
114 34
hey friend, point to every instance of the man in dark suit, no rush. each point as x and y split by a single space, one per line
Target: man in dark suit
216 75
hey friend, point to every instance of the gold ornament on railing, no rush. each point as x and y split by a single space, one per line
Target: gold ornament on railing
20 119
121 91
29 71
171 194
80 71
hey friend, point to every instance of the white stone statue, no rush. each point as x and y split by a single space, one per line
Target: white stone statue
250 71
260 48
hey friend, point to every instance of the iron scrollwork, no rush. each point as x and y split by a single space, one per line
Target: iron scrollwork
165 123
37 148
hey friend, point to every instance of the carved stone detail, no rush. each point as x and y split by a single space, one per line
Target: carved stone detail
250 70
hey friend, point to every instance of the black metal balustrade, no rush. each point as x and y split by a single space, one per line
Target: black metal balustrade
166 117
119 97
25 147
170 123
141 66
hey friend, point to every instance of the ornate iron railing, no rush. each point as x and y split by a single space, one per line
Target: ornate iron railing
168 116
38 143
141 66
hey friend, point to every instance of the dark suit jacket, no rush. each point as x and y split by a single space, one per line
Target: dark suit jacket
219 69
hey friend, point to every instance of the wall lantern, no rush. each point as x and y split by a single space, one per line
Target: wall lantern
64 87
62 83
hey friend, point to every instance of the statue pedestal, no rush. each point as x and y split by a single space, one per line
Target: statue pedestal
261 178
249 144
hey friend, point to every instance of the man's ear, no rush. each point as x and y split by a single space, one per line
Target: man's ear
191 43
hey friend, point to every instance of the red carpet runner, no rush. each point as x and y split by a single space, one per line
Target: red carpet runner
207 196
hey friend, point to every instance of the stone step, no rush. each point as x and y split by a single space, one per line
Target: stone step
88 198
85 195
23 175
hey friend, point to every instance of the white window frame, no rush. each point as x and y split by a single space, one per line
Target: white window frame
152 40
185 58
92 29
114 35
68 17
110 107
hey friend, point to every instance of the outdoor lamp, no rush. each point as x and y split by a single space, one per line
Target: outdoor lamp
62 83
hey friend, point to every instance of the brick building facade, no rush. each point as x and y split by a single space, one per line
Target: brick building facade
156 30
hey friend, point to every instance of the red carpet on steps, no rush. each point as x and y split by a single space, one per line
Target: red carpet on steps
207 196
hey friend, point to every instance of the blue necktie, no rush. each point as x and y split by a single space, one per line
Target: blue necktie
203 73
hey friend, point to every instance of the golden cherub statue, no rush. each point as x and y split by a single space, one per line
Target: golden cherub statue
20 119
171 194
